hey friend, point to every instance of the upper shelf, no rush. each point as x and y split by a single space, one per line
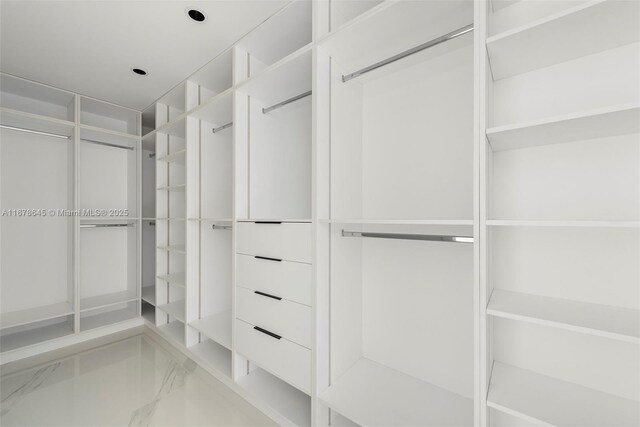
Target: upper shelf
583 30
392 27
99 114
610 121
548 401
374 395
593 319
35 122
36 99
283 80
217 110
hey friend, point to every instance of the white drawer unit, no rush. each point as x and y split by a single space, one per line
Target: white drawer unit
283 358
285 318
273 239
285 279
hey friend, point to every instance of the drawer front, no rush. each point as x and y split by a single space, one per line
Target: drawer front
281 357
286 279
290 241
285 318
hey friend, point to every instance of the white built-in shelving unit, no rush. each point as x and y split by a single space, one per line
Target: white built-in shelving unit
561 338
362 213
71 263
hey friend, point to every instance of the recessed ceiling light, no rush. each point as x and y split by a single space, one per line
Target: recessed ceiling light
196 15
139 71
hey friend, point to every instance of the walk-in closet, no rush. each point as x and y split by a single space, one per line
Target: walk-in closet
321 212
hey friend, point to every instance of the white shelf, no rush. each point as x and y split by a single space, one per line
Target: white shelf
582 30
593 319
401 221
179 249
285 79
611 121
175 127
106 300
217 110
177 157
174 331
107 318
117 136
35 122
290 402
177 187
178 279
216 327
36 314
35 336
175 309
545 400
562 223
149 294
374 395
213 355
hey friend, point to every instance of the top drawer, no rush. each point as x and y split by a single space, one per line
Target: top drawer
289 241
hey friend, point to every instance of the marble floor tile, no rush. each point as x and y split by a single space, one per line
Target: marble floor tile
133 382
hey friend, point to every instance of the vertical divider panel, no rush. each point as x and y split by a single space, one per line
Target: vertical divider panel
192 260
76 219
240 188
162 211
482 149
320 210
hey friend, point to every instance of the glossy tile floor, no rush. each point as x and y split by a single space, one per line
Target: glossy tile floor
133 382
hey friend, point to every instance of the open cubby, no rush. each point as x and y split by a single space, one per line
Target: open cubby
36 249
394 155
213 356
282 34
216 172
343 11
214 78
35 99
108 264
277 145
402 327
106 316
34 333
110 117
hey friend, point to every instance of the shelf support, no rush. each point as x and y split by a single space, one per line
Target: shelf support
431 43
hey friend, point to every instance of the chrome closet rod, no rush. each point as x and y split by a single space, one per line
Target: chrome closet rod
431 43
105 225
430 237
93 141
223 127
221 227
152 155
37 132
152 223
285 102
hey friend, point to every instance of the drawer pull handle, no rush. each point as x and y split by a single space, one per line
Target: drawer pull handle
267 295
264 331
268 222
267 258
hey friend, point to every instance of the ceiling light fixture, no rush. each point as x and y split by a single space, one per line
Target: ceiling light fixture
196 15
139 71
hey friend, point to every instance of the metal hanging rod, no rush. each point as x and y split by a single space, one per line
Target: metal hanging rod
221 227
223 127
104 225
283 103
152 223
430 237
431 43
93 141
152 155
37 132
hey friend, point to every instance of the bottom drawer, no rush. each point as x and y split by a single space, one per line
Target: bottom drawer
281 357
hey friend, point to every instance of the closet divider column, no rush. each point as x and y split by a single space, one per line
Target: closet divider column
239 364
482 108
162 211
75 237
192 171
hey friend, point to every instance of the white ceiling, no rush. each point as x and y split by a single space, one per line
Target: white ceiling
89 47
